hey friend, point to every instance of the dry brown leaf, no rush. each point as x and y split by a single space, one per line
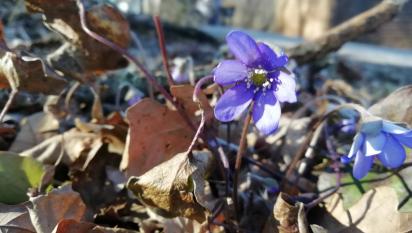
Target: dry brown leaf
184 95
375 212
47 210
35 129
395 107
290 215
175 187
29 74
82 53
12 216
155 135
74 144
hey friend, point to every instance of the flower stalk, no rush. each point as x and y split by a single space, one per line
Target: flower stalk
238 163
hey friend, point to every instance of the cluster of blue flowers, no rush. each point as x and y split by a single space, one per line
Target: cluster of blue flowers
258 77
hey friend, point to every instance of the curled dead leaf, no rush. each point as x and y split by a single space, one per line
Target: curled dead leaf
82 53
289 215
29 74
175 187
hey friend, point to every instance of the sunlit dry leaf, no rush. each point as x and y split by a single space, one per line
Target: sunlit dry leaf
29 74
82 53
171 187
155 135
35 129
47 210
376 212
395 107
15 216
70 145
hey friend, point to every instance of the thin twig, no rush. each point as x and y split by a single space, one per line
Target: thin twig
162 46
8 104
238 163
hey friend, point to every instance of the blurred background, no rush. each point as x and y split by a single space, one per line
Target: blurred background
303 18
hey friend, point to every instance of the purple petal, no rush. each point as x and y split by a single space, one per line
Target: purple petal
281 61
393 155
229 72
269 59
393 128
286 90
233 102
373 144
362 165
266 113
268 56
243 47
356 145
405 139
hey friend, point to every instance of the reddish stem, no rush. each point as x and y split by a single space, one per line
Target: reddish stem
162 46
238 163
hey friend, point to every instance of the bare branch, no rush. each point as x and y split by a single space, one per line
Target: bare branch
367 21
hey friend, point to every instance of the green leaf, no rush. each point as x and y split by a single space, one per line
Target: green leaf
17 174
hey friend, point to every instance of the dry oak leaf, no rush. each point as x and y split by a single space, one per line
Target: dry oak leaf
81 53
29 74
175 187
156 134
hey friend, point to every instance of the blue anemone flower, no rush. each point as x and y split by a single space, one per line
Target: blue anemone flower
382 139
256 75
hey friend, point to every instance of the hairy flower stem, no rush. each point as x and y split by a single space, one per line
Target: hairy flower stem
238 163
162 46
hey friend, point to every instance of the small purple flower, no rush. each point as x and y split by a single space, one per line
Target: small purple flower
257 75
382 139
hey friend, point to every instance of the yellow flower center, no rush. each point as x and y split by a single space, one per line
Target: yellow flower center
258 79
